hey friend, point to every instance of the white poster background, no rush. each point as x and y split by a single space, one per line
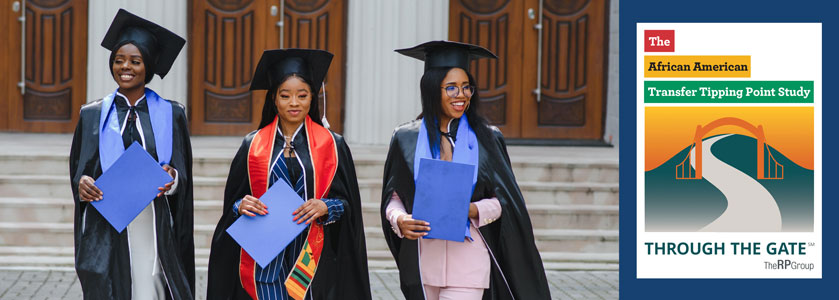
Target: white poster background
779 52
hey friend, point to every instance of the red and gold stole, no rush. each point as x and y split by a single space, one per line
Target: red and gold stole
324 157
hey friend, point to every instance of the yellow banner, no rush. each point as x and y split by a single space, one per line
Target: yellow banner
698 66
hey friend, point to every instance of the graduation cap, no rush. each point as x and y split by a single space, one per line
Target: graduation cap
160 44
274 65
446 54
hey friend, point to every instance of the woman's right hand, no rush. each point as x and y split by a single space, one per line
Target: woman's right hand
412 229
87 190
251 206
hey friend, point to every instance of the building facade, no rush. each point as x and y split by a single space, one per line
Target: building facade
564 92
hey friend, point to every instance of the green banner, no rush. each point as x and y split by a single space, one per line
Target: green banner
728 92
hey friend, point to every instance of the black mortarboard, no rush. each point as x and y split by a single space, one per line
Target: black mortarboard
274 65
161 44
446 54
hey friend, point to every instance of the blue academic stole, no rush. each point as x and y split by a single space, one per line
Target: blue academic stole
465 151
111 146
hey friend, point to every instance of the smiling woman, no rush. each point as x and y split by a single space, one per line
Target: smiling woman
154 257
327 260
451 129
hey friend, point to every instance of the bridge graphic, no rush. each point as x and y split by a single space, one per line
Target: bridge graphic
767 166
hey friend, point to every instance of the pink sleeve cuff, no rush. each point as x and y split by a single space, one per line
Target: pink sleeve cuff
394 210
489 210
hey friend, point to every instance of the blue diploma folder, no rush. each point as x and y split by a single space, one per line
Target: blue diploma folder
264 237
128 186
443 193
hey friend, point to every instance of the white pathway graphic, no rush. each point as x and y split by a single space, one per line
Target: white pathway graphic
751 208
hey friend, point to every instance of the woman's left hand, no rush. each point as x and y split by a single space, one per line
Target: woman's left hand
168 186
310 210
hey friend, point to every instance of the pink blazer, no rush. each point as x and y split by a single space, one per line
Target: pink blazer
450 264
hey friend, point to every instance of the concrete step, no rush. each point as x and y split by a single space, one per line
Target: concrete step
58 186
566 171
212 188
570 193
547 240
46 256
563 266
38 234
44 234
382 259
534 192
545 216
365 166
208 212
20 209
35 164
577 240
215 162
559 261
62 257
46 186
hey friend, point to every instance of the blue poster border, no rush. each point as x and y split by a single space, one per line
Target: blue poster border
771 11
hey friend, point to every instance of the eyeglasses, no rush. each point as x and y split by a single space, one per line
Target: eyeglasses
454 91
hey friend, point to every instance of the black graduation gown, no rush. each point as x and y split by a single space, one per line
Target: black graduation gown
102 255
510 238
342 270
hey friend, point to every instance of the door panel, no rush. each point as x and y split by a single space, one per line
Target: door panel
573 64
493 25
574 47
226 40
55 66
11 73
321 24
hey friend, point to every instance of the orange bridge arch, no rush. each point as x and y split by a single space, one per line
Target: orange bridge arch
757 131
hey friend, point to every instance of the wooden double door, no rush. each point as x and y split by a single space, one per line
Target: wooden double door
43 63
227 38
573 64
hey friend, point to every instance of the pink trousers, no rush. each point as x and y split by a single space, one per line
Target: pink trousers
452 293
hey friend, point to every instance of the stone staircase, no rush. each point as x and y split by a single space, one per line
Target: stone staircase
571 195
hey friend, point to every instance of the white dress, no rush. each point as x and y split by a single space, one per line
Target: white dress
147 278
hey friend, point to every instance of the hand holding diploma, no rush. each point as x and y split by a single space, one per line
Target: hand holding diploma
251 206
310 210
88 191
165 188
412 229
130 182
265 235
442 197
306 212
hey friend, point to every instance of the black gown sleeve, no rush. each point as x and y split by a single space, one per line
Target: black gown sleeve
511 237
395 165
84 151
181 202
223 272
342 272
398 177
84 158
75 148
